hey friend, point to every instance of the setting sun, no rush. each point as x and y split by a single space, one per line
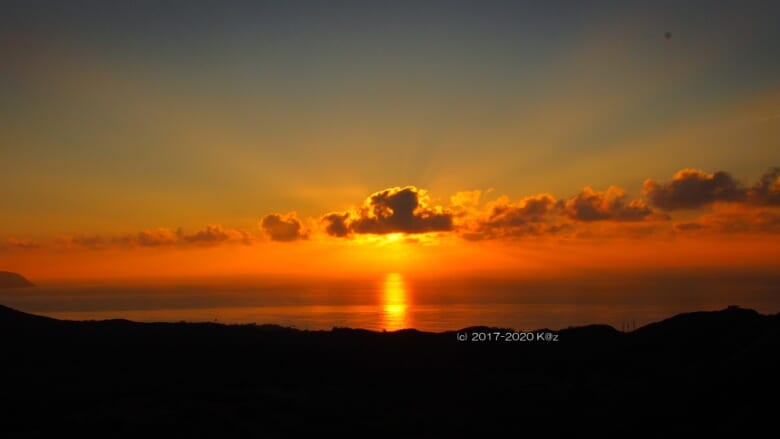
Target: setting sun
394 302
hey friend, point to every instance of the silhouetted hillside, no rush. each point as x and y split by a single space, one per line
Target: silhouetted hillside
13 320
694 374
13 280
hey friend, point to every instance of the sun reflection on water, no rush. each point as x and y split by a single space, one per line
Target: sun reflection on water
394 302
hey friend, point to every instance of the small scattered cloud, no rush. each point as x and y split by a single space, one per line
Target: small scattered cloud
693 188
215 234
284 228
148 238
393 210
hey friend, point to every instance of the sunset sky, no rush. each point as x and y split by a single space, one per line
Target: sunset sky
196 138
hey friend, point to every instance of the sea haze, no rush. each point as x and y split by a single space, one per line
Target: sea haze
394 301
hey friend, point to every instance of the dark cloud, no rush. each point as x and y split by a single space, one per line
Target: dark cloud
392 210
591 205
283 228
766 192
692 188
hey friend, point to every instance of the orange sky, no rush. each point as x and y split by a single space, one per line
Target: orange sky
264 140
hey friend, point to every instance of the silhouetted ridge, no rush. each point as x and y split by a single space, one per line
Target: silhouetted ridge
698 374
11 318
708 324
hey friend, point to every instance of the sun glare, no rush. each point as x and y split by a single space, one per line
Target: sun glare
394 302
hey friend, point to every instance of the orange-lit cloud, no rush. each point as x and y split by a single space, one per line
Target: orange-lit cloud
393 210
283 228
591 205
530 216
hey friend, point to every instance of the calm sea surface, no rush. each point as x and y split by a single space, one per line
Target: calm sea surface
394 301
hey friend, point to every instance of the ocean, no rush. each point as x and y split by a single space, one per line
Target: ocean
393 301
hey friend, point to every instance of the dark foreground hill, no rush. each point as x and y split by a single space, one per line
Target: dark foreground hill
694 374
13 280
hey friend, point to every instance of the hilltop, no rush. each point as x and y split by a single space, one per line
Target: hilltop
699 373
9 279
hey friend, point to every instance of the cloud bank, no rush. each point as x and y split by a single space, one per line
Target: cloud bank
724 204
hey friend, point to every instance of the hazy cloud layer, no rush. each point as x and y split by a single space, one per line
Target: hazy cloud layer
149 238
688 226
15 243
393 210
734 219
84 241
284 228
211 235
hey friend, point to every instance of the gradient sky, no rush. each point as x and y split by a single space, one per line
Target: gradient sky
144 124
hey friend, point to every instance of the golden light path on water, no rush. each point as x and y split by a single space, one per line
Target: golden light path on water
394 302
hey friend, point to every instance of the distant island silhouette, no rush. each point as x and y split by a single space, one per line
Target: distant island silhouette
10 279
696 374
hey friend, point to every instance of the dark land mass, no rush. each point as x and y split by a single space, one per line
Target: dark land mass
698 374
13 280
